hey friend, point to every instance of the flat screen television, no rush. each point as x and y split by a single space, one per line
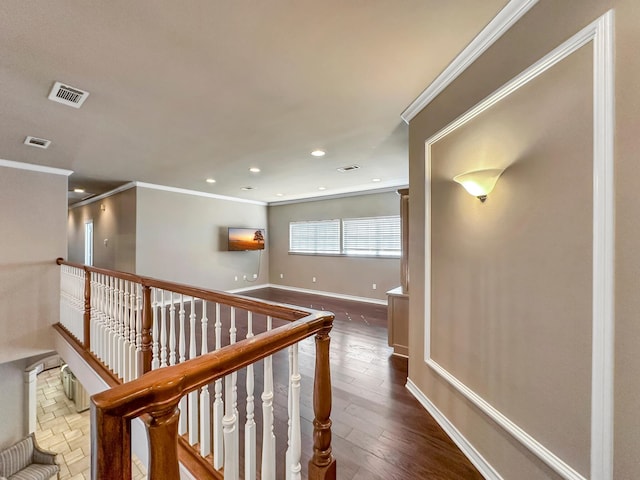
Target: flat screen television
242 239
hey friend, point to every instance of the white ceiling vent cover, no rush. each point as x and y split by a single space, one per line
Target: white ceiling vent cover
37 142
67 95
348 168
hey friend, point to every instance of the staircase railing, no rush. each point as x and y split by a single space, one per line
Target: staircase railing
155 337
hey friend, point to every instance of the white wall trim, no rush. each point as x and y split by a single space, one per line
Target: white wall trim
602 380
518 433
502 22
164 188
319 198
34 168
196 193
249 288
313 292
601 33
478 461
97 198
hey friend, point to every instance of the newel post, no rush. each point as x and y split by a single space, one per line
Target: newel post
322 465
162 428
147 323
110 445
87 309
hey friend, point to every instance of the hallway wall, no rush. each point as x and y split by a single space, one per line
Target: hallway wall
511 278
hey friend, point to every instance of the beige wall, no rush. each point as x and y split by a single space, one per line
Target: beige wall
114 220
520 309
32 211
627 266
183 238
345 275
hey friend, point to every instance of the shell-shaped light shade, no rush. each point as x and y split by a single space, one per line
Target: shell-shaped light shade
479 183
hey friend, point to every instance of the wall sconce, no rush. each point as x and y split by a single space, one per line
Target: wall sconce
479 183
103 207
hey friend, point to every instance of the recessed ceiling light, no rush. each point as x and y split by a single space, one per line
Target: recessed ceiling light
322 188
254 170
211 180
318 153
279 194
246 188
78 190
375 179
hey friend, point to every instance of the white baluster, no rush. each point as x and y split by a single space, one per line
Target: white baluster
133 367
234 386
218 404
118 345
182 347
126 331
193 396
268 471
172 331
287 461
155 361
104 295
229 426
250 425
130 336
163 332
295 440
205 405
109 339
138 331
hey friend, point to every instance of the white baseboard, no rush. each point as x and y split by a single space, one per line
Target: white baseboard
328 294
249 288
484 467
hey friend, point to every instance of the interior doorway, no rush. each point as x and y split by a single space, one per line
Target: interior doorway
88 242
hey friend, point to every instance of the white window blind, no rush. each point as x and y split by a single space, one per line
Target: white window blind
371 236
315 236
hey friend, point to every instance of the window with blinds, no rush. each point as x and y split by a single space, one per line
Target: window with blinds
372 236
315 236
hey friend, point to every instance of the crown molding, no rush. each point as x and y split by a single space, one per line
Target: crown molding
34 168
97 198
358 193
197 193
502 22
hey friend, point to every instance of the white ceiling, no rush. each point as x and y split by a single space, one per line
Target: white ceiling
182 91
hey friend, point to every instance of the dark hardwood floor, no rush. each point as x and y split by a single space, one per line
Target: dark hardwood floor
379 430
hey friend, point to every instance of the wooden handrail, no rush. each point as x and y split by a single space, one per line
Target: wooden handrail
165 386
155 396
264 307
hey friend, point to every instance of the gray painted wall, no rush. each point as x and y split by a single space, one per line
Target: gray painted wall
32 213
33 208
183 238
346 275
114 220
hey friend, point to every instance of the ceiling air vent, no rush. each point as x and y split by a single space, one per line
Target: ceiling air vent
37 142
348 168
71 96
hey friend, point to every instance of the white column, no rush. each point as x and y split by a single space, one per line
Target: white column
31 400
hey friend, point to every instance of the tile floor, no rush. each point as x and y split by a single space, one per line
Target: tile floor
64 431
